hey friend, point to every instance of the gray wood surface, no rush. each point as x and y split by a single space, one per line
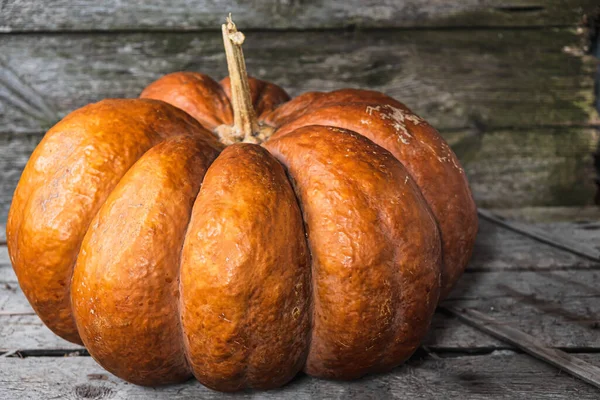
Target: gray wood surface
561 240
529 167
569 363
560 310
60 15
499 375
457 79
587 232
576 217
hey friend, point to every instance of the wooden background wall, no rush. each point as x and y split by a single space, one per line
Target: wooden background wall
509 83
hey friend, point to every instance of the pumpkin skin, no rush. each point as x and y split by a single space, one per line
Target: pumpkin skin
380 118
135 232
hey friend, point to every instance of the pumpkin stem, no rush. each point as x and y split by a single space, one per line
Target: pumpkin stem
245 123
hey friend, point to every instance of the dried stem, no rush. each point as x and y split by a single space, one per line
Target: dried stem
244 117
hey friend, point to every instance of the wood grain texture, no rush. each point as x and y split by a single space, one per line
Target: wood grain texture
455 79
565 362
499 249
558 322
554 216
559 241
63 15
501 374
587 232
532 167
22 330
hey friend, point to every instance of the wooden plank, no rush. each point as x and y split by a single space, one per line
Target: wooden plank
565 362
583 232
551 216
14 153
559 241
497 248
533 167
27 16
21 329
551 285
561 322
497 375
485 80
567 323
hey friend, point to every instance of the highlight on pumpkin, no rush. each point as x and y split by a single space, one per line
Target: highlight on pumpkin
225 231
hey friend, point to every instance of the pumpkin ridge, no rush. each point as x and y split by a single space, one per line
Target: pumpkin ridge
330 357
86 154
199 95
124 278
244 274
393 126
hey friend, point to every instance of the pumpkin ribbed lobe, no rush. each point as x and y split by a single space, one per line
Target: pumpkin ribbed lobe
209 102
419 147
125 284
375 251
67 179
245 275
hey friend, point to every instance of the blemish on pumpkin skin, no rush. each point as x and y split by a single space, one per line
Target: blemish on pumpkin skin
295 313
224 318
398 117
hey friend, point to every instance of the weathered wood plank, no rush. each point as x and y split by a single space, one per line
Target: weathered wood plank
485 80
565 362
584 232
497 248
21 329
576 216
560 241
534 167
578 224
14 153
568 323
467 377
61 15
559 322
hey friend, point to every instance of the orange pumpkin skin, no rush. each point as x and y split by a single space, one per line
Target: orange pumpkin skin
66 180
380 118
134 232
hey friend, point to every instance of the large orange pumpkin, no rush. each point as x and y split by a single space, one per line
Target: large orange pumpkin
321 243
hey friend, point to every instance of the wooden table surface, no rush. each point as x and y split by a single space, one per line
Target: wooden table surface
547 292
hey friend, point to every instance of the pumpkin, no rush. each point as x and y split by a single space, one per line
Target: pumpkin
227 232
